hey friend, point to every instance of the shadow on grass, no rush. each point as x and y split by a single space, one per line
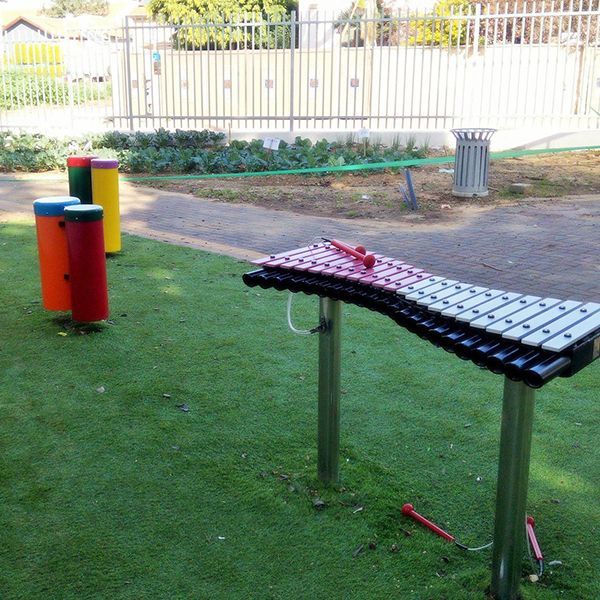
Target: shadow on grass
66 323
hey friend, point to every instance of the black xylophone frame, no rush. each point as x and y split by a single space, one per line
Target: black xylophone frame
515 446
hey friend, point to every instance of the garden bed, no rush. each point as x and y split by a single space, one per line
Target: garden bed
376 195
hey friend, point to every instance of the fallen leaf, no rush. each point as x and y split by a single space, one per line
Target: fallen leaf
394 548
357 509
62 334
533 578
101 389
166 395
358 550
183 407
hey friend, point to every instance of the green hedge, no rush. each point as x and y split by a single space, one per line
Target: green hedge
21 88
190 152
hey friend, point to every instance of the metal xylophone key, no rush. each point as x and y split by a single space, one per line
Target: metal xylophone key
274 260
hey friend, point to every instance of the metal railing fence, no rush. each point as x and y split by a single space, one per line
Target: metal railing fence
493 67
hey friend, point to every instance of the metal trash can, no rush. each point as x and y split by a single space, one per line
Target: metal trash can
471 162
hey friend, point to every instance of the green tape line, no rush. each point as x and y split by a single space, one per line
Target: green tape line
369 166
412 162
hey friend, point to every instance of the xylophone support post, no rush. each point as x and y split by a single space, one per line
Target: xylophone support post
511 497
329 390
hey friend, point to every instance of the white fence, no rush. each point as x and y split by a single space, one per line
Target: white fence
537 68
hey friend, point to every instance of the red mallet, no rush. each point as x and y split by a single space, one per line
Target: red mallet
535 547
360 252
408 510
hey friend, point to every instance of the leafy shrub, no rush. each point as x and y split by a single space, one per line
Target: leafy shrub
444 32
201 14
28 152
190 152
162 138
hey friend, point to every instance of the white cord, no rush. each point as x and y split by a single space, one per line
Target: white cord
463 547
289 319
315 240
477 549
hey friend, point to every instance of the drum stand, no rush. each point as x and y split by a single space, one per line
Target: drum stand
513 467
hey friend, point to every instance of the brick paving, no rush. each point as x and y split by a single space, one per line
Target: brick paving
549 247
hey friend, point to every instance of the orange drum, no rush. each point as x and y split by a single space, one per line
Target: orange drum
52 248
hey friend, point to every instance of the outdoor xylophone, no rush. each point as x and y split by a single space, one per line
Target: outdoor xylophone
527 338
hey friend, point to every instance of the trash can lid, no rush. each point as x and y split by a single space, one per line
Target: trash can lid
53 206
480 134
84 213
105 163
80 161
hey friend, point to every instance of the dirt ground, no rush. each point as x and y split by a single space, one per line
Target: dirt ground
377 195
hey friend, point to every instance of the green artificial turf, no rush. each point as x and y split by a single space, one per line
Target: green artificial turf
121 494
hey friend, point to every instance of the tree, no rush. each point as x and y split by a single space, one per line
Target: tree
244 22
63 8
189 11
436 29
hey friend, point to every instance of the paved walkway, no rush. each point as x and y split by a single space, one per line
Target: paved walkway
550 247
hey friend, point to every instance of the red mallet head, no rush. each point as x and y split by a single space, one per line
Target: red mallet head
369 260
407 509
530 521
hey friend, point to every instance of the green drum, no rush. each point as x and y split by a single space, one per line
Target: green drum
80 177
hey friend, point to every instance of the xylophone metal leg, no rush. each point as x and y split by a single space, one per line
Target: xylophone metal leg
329 390
511 497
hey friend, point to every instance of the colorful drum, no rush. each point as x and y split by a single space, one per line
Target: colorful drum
105 189
87 262
80 177
52 249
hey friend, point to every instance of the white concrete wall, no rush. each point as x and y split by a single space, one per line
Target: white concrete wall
383 89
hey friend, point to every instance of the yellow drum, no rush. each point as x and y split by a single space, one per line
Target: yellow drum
105 192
